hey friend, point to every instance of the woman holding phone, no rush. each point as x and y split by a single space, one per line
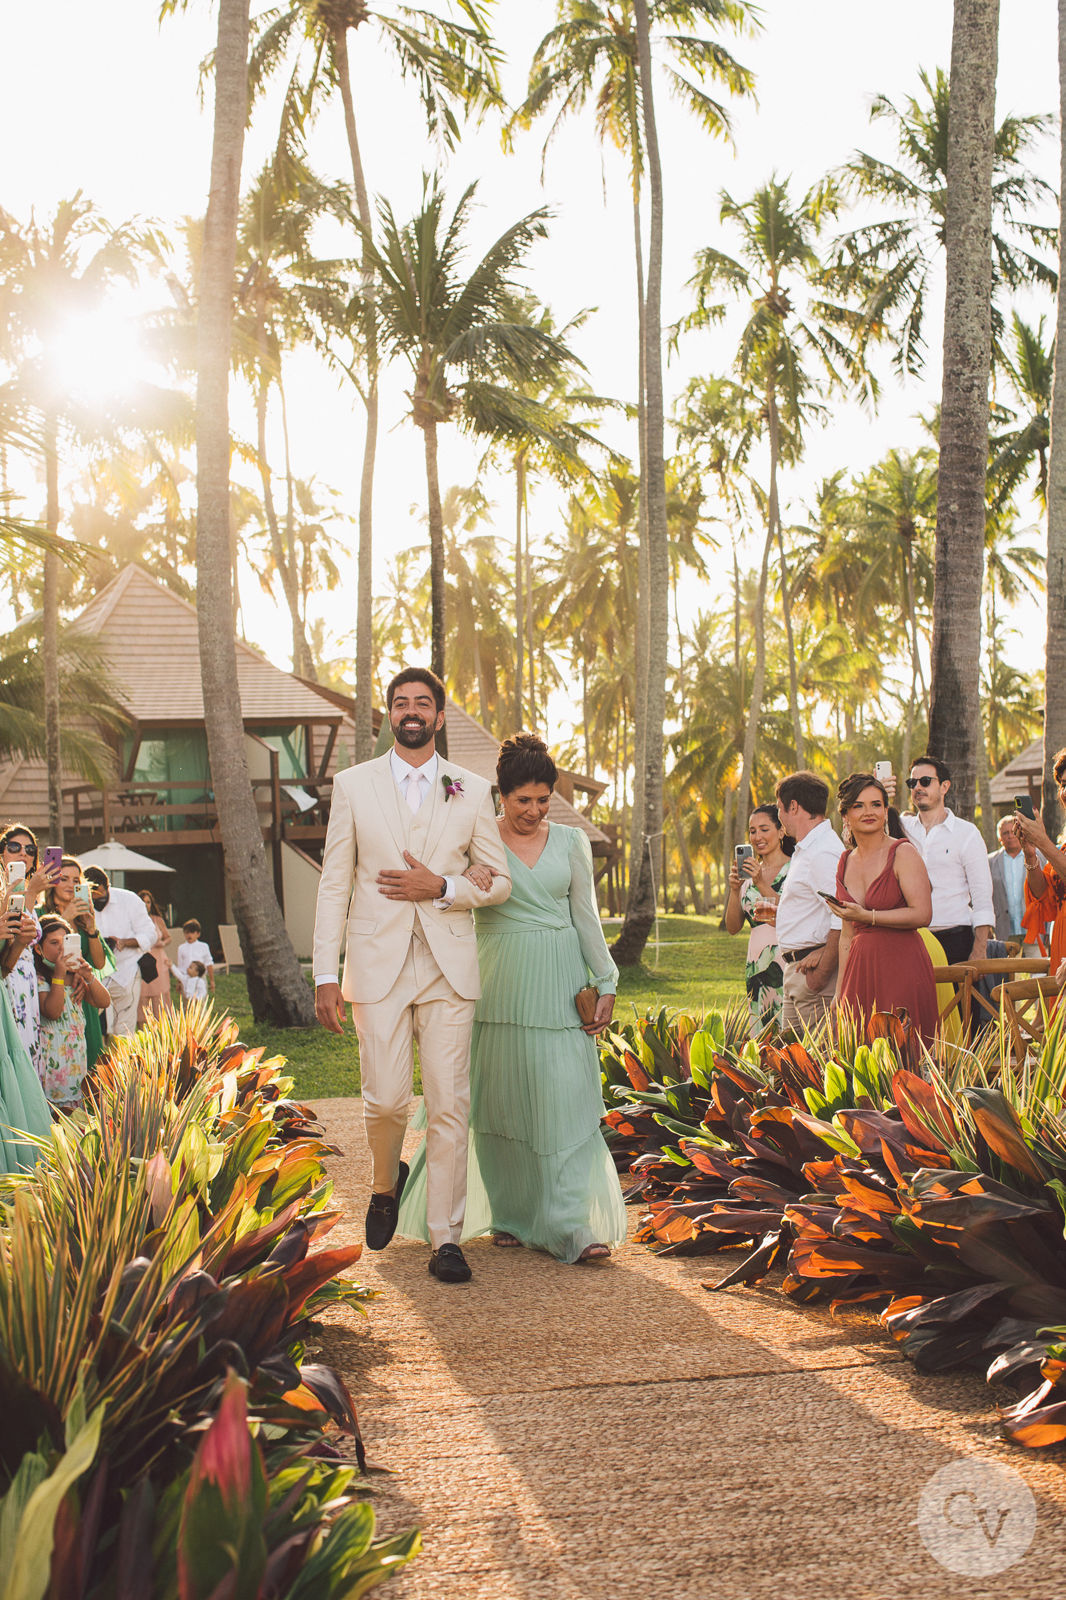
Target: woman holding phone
69 899
19 928
1045 887
755 881
67 985
883 897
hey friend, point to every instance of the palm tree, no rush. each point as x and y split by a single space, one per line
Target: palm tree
789 326
954 704
1028 368
469 353
281 283
1055 643
84 681
604 51
453 62
276 986
49 274
890 264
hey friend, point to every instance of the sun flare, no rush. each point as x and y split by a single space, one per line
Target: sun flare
97 357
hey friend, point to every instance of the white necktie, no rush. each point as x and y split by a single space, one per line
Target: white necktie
414 791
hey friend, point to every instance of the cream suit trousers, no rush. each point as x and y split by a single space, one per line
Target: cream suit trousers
422 1006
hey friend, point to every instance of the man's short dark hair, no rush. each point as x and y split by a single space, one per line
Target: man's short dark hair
192 926
97 875
943 772
805 789
417 675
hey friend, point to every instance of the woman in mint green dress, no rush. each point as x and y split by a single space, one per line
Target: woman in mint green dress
23 1107
539 1171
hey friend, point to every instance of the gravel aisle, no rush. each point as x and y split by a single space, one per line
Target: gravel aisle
582 1433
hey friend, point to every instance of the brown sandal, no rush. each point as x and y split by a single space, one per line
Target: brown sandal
506 1241
594 1252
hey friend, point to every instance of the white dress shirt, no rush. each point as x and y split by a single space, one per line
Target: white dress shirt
1014 884
404 772
957 863
803 918
126 917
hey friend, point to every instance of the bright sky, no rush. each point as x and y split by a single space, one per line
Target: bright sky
118 116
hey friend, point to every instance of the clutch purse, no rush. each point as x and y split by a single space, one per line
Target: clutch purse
586 1001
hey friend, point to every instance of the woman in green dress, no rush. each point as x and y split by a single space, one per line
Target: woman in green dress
760 879
23 1107
539 1173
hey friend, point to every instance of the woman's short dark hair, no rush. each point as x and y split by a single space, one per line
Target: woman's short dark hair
417 675
787 843
14 828
852 787
524 759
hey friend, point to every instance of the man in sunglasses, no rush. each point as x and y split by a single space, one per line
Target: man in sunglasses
956 861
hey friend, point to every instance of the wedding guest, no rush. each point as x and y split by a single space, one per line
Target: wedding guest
807 933
193 981
155 993
130 933
883 897
956 861
1045 885
539 1173
65 986
69 898
18 844
194 948
753 892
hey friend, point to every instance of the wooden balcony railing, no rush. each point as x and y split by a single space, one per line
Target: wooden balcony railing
185 812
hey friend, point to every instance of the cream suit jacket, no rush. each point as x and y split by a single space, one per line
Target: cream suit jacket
370 827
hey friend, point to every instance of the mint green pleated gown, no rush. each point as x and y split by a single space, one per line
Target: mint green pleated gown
538 1165
23 1107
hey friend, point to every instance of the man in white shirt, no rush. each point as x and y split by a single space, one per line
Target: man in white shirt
956 861
124 924
807 932
402 831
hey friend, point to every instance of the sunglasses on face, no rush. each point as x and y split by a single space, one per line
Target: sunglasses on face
15 847
925 781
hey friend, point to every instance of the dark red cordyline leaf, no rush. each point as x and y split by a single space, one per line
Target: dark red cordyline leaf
912 1096
943 1309
635 1072
1001 1129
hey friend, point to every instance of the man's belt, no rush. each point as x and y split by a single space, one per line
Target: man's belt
801 954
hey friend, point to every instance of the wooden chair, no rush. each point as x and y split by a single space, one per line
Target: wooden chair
1009 967
1024 1005
232 954
954 1013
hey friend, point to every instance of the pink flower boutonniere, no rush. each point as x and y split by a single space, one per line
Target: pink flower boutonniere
452 786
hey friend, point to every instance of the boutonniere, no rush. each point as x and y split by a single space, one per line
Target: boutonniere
452 786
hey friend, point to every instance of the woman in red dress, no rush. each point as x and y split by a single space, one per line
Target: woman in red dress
883 898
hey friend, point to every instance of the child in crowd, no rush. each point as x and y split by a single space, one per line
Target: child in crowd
193 981
194 950
63 983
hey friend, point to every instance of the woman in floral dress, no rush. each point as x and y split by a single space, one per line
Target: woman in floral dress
762 878
18 844
63 985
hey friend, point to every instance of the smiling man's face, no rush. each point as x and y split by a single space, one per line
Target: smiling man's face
413 716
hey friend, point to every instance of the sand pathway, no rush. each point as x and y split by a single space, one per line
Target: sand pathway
564 1433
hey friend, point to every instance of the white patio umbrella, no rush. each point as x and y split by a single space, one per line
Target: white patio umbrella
117 857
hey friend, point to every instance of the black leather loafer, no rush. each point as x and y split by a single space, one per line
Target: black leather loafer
448 1265
382 1213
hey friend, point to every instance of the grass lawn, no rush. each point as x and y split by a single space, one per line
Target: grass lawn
695 966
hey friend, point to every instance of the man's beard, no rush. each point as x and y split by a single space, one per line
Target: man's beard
411 738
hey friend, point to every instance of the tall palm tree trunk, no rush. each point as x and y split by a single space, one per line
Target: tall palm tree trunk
1055 646
364 609
435 519
50 636
955 710
519 617
276 986
302 583
301 650
640 907
758 686
640 659
786 601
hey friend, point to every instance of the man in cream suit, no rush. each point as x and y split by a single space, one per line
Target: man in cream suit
403 829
